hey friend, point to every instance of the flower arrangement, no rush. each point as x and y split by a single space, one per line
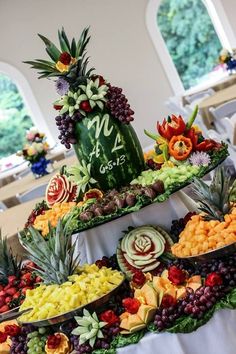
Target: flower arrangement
35 150
36 146
228 58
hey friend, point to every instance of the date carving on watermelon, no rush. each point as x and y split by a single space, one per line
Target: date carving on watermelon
112 149
60 189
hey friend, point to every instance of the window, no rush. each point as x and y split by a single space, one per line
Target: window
14 117
18 111
188 35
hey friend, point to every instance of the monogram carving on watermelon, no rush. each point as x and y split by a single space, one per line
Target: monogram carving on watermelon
102 126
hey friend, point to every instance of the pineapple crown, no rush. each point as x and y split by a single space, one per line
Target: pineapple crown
214 200
69 62
9 264
55 257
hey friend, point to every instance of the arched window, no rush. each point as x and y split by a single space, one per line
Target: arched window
18 111
188 35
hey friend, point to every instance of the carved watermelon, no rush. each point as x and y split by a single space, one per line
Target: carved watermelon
111 147
59 190
141 248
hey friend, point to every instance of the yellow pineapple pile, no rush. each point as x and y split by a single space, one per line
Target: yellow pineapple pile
88 285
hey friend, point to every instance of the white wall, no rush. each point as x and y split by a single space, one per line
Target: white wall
120 49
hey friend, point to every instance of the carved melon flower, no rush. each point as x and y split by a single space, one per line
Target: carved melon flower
80 174
89 328
70 102
95 94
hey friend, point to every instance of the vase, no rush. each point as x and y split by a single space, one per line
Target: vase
110 149
42 167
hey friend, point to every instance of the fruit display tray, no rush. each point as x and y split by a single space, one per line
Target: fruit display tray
76 312
145 201
208 256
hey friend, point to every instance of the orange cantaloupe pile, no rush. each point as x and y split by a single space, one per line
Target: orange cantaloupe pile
200 236
52 216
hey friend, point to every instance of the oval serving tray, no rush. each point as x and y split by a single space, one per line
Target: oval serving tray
77 311
217 253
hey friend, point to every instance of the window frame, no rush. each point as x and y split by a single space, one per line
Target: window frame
220 22
29 99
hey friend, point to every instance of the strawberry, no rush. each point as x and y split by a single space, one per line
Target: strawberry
3 293
38 279
1 287
8 286
26 278
8 299
11 291
23 291
4 308
16 295
12 279
2 301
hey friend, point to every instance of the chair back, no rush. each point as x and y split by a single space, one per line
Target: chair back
22 173
3 207
198 97
33 193
225 110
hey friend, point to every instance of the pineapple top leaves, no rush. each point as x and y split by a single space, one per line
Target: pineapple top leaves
68 61
214 200
9 264
54 257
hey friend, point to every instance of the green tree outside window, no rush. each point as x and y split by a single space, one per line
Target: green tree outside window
190 37
14 118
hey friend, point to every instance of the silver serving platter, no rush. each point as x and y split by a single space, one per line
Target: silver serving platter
217 253
93 305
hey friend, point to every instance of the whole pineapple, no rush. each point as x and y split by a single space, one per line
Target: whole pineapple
214 200
9 264
55 257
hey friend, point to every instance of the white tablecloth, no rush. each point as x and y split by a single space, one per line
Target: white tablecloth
102 240
215 337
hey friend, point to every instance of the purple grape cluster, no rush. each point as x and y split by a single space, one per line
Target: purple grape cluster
194 304
118 105
66 126
19 342
226 267
80 349
178 226
185 265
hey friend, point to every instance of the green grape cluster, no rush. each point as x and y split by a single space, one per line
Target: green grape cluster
37 341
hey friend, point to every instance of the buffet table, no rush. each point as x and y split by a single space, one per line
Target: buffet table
215 337
8 192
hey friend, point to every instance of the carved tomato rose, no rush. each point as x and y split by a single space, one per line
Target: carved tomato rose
3 337
213 279
168 301
131 305
176 275
110 317
12 330
59 190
